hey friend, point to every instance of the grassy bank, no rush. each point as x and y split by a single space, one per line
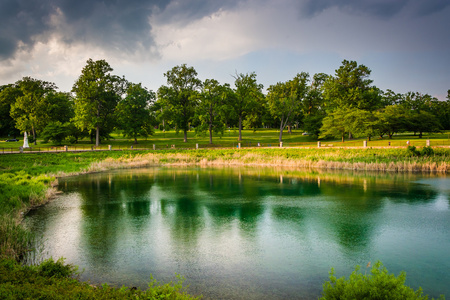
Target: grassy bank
20 190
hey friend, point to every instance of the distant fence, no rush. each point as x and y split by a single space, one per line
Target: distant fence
323 144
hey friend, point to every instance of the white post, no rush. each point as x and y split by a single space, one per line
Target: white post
154 147
428 143
365 143
109 147
318 144
196 146
65 148
239 145
281 144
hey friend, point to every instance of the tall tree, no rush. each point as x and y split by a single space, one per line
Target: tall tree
133 112
420 115
313 105
179 96
352 88
247 91
29 109
8 95
285 99
97 94
335 124
211 108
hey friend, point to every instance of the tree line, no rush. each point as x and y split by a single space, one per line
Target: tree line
340 105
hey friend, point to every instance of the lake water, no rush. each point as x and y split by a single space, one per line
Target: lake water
249 233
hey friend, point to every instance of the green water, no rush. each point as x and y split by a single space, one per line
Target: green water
248 233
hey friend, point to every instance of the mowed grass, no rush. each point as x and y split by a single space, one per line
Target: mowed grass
229 139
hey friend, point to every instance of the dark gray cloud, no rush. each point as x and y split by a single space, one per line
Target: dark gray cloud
118 25
19 22
378 8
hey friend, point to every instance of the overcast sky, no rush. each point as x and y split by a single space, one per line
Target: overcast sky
406 43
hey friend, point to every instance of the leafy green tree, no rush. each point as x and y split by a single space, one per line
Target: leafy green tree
313 105
392 119
133 112
8 95
285 99
389 97
58 106
362 123
258 115
379 284
247 92
97 94
419 112
351 87
179 98
335 124
211 108
423 121
29 109
55 132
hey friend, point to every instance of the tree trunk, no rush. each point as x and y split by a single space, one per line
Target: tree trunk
185 135
135 140
210 134
342 138
240 128
420 134
97 136
289 129
34 135
280 138
350 136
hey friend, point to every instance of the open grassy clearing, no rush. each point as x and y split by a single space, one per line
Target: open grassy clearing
261 137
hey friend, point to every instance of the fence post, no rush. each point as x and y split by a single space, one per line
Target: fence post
109 147
154 147
196 146
21 149
239 145
65 148
319 144
364 144
281 144
428 143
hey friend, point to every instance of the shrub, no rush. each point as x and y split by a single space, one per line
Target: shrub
51 268
412 151
379 284
427 151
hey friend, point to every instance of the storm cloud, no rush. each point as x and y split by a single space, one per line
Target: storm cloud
117 25
383 9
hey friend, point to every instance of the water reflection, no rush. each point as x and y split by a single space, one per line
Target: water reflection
271 232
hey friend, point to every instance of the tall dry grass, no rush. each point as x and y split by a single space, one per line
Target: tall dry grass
332 160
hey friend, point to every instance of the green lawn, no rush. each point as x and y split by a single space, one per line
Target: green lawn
265 138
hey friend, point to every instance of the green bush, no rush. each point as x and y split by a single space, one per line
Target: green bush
379 284
54 280
412 151
51 268
427 151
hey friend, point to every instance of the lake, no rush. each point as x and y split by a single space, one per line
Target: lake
249 233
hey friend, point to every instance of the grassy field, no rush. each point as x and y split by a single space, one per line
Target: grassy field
263 137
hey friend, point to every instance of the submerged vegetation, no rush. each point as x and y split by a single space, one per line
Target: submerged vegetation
21 190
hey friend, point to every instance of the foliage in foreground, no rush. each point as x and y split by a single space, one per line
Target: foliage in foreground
56 280
379 284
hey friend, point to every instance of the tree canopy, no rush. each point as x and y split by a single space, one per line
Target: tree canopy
97 94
